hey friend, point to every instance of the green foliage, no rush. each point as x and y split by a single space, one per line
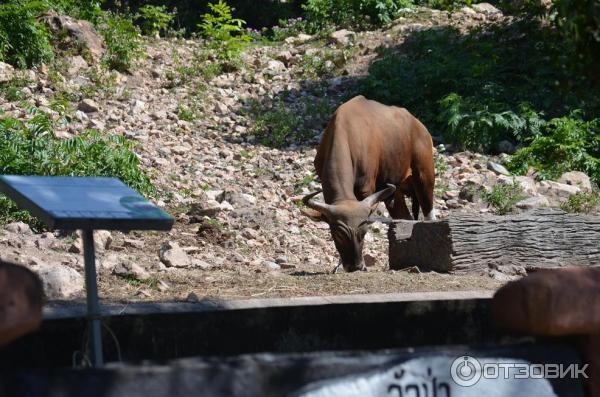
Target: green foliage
568 143
446 4
224 34
477 126
358 14
24 42
80 9
504 197
154 19
582 202
123 42
288 27
11 89
476 91
30 148
579 20
325 63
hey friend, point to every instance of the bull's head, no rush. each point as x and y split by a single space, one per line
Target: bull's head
348 221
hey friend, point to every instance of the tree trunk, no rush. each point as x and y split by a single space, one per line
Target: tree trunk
473 243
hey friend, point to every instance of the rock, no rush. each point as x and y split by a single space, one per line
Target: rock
556 189
59 281
486 8
75 65
137 107
281 260
370 260
528 184
274 67
7 72
76 247
533 202
204 207
250 234
192 297
129 268
18 227
300 39
342 37
505 146
238 200
102 240
453 204
172 255
200 264
270 265
88 106
576 178
471 192
286 57
502 277
78 34
133 243
497 168
468 10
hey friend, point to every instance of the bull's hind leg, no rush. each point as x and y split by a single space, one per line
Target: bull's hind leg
397 208
423 183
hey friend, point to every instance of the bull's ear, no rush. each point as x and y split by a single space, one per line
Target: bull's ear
313 214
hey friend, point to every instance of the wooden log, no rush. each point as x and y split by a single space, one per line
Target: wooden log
474 243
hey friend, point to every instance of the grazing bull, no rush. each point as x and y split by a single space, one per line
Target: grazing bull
368 152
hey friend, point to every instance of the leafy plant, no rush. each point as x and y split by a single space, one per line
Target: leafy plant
123 42
154 19
24 42
359 14
567 143
11 89
30 148
503 197
288 27
582 202
224 33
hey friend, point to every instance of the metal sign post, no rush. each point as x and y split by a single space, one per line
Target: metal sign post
87 204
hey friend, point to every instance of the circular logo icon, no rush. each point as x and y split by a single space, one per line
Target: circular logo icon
465 371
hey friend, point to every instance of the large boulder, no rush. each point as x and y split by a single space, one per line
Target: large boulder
7 72
78 34
576 178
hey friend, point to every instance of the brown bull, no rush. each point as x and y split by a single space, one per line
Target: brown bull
368 152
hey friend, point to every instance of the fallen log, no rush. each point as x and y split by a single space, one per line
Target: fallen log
474 243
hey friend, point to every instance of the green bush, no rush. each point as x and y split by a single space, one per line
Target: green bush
579 20
80 9
358 14
475 91
224 33
582 202
30 148
24 42
287 28
123 42
154 19
502 198
567 144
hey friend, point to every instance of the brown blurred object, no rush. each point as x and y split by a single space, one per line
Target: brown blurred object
560 302
21 299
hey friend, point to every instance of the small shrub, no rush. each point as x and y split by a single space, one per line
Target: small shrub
11 89
582 202
288 28
359 14
224 34
325 63
80 9
567 143
123 42
504 197
30 148
154 19
24 42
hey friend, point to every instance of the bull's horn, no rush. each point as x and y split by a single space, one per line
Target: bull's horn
380 195
316 205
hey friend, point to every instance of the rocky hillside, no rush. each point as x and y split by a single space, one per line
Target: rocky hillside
239 231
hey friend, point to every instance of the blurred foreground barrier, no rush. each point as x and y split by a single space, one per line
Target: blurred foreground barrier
20 302
473 243
560 302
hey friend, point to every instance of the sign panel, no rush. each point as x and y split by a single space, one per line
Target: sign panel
84 203
449 376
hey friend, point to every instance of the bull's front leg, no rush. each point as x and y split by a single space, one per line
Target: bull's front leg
397 207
